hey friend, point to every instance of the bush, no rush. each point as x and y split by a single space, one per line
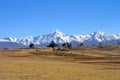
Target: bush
81 44
31 45
68 54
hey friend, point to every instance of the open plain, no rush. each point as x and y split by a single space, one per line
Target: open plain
91 63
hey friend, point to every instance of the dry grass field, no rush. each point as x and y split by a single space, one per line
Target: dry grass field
42 64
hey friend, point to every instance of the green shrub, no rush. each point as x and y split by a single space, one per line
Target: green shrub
68 54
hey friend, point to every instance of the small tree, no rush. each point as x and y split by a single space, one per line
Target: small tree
31 45
64 46
53 45
81 44
100 44
69 45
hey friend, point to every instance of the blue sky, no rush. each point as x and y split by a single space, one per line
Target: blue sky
20 18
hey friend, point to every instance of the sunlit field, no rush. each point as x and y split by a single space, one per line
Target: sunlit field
44 64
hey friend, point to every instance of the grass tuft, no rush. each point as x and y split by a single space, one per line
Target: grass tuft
68 54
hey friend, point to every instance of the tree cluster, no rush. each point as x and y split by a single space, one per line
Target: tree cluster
53 45
65 46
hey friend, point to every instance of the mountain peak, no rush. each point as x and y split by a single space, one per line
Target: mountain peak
57 33
98 33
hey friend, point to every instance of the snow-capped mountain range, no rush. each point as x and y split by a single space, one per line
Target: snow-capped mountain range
59 37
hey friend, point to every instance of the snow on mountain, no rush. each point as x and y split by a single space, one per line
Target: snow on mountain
59 37
8 39
26 40
56 33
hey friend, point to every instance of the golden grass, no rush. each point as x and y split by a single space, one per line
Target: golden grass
19 64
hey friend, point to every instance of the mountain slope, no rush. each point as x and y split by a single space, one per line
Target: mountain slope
11 45
59 37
